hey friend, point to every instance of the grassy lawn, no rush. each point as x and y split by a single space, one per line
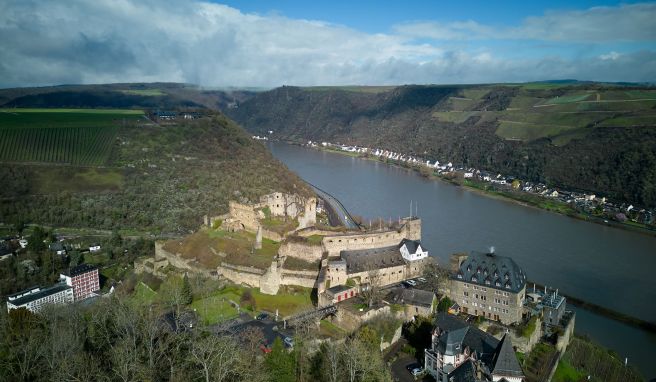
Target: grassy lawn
314 239
328 329
211 247
567 373
216 308
143 295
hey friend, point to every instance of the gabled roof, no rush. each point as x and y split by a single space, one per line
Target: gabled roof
455 341
505 361
411 245
446 322
413 297
465 372
370 259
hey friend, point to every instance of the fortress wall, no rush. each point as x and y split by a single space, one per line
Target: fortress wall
411 229
271 235
301 251
245 214
241 275
178 261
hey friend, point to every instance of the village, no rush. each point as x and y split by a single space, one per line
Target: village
480 306
282 268
589 205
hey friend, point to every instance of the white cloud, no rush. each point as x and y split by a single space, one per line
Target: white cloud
99 41
633 22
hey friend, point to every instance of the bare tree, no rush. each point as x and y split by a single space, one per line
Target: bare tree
216 356
436 277
332 364
370 290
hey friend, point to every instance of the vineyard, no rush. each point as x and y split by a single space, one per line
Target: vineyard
77 137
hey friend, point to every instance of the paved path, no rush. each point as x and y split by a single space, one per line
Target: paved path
344 217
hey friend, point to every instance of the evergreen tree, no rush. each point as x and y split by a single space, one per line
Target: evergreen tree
187 295
280 363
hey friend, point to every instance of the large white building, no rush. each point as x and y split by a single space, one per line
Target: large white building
34 299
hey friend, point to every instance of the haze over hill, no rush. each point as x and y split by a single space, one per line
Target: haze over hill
593 137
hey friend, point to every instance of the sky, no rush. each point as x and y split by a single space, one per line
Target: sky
262 43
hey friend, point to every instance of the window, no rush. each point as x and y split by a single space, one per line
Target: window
466 293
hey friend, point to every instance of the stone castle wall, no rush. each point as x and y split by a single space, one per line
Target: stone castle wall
178 261
241 275
410 229
303 251
245 214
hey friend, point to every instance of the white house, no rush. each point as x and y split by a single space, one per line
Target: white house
411 250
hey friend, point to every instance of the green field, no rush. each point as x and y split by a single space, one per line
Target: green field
71 136
144 92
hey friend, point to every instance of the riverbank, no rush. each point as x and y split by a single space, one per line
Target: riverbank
520 198
606 312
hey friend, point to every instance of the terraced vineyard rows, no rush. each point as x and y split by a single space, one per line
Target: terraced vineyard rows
72 145
76 137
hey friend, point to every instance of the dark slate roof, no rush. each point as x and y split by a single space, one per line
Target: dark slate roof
375 258
493 271
412 245
57 246
445 322
453 342
466 372
505 361
338 289
413 296
79 269
40 294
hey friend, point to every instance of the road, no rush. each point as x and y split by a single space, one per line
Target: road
341 212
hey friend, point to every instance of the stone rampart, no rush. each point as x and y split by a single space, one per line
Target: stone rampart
245 214
568 332
241 275
179 262
300 250
410 229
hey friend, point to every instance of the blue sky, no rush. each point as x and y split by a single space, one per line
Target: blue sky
379 16
267 44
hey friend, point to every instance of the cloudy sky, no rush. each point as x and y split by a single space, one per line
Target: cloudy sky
266 44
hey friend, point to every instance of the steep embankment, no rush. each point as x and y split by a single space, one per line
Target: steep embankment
598 138
115 169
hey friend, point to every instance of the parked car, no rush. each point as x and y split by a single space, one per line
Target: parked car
265 349
289 342
262 316
417 371
421 279
411 282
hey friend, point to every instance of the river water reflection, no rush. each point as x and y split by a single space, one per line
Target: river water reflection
610 267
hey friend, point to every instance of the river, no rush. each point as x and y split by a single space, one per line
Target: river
603 265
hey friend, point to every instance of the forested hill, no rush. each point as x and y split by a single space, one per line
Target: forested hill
581 136
116 170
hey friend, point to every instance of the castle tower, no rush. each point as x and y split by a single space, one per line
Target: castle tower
258 238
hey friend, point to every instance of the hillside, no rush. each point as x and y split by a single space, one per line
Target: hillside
115 169
130 95
591 137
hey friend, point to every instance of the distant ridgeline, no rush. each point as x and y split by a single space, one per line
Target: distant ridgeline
118 169
582 136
